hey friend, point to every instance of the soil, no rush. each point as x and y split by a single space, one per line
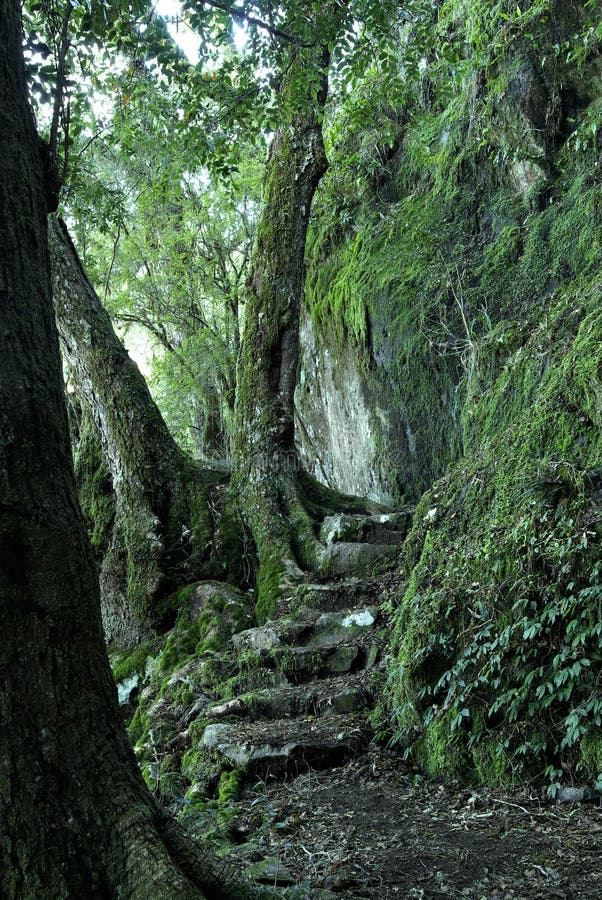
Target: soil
325 813
373 829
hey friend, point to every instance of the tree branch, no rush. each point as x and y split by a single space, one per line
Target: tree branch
62 50
259 23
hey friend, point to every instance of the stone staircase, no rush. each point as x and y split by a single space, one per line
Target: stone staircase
314 713
274 701
311 677
261 745
363 544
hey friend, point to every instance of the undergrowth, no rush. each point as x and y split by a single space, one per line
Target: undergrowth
470 288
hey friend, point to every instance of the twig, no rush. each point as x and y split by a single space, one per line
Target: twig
515 805
265 26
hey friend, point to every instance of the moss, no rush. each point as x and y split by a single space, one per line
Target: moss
229 787
199 632
431 752
95 487
492 762
321 500
269 588
425 285
477 290
503 529
170 784
168 607
279 554
250 661
198 763
164 543
498 312
144 578
590 756
253 677
179 646
138 725
130 662
233 548
192 660
411 348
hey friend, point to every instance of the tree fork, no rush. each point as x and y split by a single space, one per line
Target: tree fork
163 527
279 502
76 819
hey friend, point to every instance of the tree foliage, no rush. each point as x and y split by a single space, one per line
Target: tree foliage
451 120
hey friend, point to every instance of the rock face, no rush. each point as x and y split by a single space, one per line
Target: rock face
345 435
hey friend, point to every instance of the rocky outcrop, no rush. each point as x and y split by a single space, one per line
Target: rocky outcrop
347 438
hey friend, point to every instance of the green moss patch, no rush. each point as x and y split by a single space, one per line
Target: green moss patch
498 629
134 662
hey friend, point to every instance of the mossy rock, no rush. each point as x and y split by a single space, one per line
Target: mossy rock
191 667
210 613
136 661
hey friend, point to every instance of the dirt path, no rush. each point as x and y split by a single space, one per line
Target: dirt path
276 744
370 830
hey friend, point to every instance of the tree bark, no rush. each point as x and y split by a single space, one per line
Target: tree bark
266 479
163 527
76 819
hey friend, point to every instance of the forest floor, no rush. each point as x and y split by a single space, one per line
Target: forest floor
371 829
302 796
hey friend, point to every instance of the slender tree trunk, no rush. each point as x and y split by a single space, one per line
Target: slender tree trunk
76 819
162 527
266 478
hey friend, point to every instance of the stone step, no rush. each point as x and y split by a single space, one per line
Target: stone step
275 634
348 593
330 696
348 558
249 679
289 746
310 627
302 664
338 627
388 528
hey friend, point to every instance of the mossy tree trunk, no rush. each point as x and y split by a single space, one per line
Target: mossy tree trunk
267 480
76 819
162 527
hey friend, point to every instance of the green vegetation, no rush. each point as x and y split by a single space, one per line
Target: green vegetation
457 249
95 487
497 633
454 252
269 588
190 664
209 615
134 662
498 625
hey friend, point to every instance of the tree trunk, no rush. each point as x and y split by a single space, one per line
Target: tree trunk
76 819
162 526
266 479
